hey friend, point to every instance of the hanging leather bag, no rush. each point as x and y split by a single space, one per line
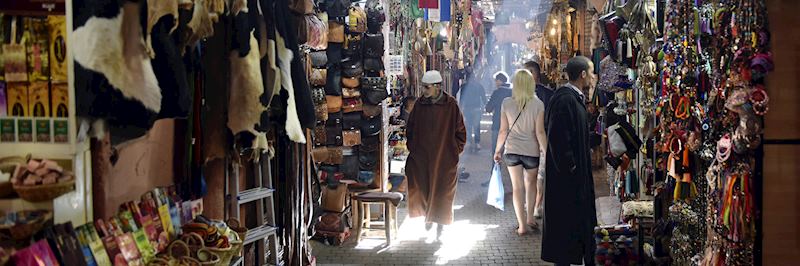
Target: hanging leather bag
335 32
371 110
373 67
376 16
319 59
372 126
317 32
337 9
353 82
327 155
373 90
351 137
352 68
354 45
373 47
318 76
334 103
351 121
350 105
333 84
351 92
333 134
357 19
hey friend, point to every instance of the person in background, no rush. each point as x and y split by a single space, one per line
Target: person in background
502 92
435 138
472 99
522 134
543 93
569 217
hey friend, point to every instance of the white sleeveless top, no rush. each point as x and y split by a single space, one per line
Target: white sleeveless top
522 136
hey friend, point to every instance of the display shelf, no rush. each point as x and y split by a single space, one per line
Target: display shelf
17 204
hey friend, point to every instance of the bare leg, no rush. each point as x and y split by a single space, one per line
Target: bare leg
530 194
539 196
518 188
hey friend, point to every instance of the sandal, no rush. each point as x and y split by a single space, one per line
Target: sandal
520 234
534 226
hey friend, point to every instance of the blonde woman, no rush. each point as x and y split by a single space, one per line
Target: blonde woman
523 136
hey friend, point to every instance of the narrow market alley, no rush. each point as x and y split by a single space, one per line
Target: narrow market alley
479 235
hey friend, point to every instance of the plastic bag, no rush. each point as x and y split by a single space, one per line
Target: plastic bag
496 194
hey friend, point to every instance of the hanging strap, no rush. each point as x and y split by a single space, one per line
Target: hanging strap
513 124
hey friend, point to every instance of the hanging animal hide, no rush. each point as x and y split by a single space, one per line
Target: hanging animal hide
114 47
245 108
155 10
285 56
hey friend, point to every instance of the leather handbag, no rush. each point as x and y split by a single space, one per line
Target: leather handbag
327 155
373 95
353 82
352 68
317 32
357 19
354 45
373 45
374 82
337 9
335 32
321 111
334 199
376 16
351 92
302 7
373 65
319 59
350 164
371 110
335 54
334 103
367 161
318 95
351 138
333 83
320 138
372 126
370 143
333 135
351 121
350 105
335 119
318 76
366 177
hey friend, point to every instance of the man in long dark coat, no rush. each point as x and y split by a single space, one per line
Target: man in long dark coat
436 137
569 211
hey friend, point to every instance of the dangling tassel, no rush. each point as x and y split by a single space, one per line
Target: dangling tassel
628 48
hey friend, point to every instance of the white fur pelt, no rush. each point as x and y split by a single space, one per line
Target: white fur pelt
285 56
115 48
244 106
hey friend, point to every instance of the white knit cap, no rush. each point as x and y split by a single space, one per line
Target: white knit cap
432 77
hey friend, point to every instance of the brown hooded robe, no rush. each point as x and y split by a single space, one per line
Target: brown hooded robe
436 137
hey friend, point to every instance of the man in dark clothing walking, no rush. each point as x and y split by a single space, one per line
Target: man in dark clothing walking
472 98
543 92
502 92
569 217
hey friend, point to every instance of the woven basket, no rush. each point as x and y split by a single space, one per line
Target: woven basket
225 254
21 232
194 242
47 192
9 165
213 257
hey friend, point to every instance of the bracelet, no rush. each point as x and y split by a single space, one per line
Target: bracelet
675 145
760 108
682 110
759 96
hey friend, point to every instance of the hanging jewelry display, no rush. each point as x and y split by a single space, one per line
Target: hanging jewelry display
710 107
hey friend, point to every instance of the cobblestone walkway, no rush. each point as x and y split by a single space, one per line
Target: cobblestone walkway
480 234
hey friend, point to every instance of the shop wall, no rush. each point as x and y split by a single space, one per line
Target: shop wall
781 201
142 165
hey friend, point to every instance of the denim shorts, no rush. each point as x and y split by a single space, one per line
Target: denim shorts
527 162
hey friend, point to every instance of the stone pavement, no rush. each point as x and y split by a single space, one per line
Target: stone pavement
480 234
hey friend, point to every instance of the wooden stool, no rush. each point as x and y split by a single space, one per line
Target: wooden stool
389 200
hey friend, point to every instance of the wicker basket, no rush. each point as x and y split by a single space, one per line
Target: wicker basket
21 232
9 165
194 242
225 254
47 192
213 258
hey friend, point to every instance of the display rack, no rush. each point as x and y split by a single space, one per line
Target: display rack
75 206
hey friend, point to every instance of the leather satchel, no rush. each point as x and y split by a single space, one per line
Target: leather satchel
352 68
317 32
337 9
357 19
334 199
350 105
319 135
375 16
334 103
350 166
318 76
351 93
370 143
319 59
351 138
333 222
368 160
373 47
373 95
373 65
351 121
327 155
354 45
371 110
335 32
333 83
353 82
372 126
333 135
321 111
302 7
335 119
